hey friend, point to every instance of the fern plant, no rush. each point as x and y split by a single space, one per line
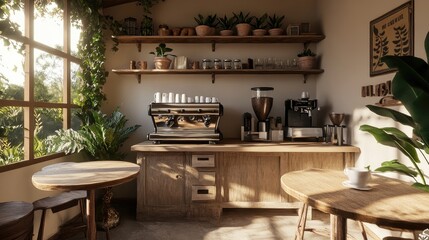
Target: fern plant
101 137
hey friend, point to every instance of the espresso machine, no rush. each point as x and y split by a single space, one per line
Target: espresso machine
299 120
185 122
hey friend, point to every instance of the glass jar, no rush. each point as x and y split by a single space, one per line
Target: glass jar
237 64
227 64
217 64
207 63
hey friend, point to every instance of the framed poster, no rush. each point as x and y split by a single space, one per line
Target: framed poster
391 34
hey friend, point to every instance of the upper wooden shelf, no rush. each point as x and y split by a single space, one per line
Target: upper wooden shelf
305 39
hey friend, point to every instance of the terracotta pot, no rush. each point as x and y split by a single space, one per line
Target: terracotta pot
162 62
203 30
306 62
226 33
243 29
259 32
276 31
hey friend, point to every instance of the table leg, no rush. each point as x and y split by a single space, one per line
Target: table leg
90 215
338 227
299 234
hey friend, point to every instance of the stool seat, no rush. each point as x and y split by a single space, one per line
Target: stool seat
16 220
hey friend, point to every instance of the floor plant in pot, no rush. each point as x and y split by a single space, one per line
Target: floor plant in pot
306 59
243 23
410 86
101 137
259 25
206 25
226 24
275 24
161 59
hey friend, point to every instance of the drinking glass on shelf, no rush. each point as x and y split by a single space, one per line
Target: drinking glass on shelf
278 63
259 63
269 64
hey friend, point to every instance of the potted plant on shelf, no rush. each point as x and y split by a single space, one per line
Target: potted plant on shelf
161 59
243 23
410 86
275 25
260 25
306 59
226 24
206 25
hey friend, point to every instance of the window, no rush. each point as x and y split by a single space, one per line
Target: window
38 82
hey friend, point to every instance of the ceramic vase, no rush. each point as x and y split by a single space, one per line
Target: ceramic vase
162 62
203 30
259 32
276 31
243 29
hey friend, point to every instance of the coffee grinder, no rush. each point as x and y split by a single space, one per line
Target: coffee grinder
262 102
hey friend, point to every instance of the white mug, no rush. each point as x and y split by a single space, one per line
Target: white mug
183 100
214 100
170 97
177 98
190 100
201 99
164 98
197 99
208 99
358 177
157 97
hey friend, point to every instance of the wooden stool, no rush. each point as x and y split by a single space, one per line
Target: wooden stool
58 203
16 221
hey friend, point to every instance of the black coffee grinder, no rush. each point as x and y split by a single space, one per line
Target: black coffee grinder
299 119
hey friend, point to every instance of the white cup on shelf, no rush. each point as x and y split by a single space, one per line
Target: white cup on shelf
164 97
157 97
170 97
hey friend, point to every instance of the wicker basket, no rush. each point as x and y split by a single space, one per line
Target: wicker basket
307 62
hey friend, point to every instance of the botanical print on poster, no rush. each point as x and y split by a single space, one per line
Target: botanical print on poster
391 34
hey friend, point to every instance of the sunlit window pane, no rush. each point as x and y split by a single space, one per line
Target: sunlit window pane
11 135
76 29
74 70
15 11
47 121
48 24
11 72
48 77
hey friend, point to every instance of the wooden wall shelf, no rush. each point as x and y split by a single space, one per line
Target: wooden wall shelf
305 39
213 72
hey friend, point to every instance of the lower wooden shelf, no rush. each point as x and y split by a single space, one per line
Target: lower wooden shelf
213 72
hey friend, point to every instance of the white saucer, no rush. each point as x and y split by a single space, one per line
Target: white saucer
347 184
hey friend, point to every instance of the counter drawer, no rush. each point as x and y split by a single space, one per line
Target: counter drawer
207 178
203 161
203 193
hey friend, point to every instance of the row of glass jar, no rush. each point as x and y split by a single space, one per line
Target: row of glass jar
258 63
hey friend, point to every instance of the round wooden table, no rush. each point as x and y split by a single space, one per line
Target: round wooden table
85 176
390 202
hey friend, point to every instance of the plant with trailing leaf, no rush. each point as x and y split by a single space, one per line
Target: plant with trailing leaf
210 20
101 137
306 53
260 22
226 23
147 5
275 21
411 86
162 51
243 17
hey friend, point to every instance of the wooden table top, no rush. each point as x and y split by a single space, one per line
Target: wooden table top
390 202
235 145
84 175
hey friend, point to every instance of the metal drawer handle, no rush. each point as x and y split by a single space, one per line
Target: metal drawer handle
202 191
203 159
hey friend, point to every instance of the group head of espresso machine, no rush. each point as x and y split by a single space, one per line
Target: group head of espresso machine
185 122
299 119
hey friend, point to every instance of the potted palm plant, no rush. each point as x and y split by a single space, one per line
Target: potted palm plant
260 25
206 25
410 86
243 23
161 59
275 25
226 24
306 59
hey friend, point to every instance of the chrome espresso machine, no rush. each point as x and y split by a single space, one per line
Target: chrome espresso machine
299 120
185 122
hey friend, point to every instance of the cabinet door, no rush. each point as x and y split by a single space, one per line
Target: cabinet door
251 177
165 179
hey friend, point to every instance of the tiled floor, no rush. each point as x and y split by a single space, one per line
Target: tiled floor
235 224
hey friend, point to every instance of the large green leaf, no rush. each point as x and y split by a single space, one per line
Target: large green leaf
421 186
396 166
393 114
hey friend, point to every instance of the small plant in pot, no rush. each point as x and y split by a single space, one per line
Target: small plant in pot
275 25
226 24
161 60
259 25
306 59
243 23
206 25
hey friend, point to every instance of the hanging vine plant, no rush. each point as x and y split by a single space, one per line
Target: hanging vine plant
147 5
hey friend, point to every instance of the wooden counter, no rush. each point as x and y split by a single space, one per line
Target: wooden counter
199 180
